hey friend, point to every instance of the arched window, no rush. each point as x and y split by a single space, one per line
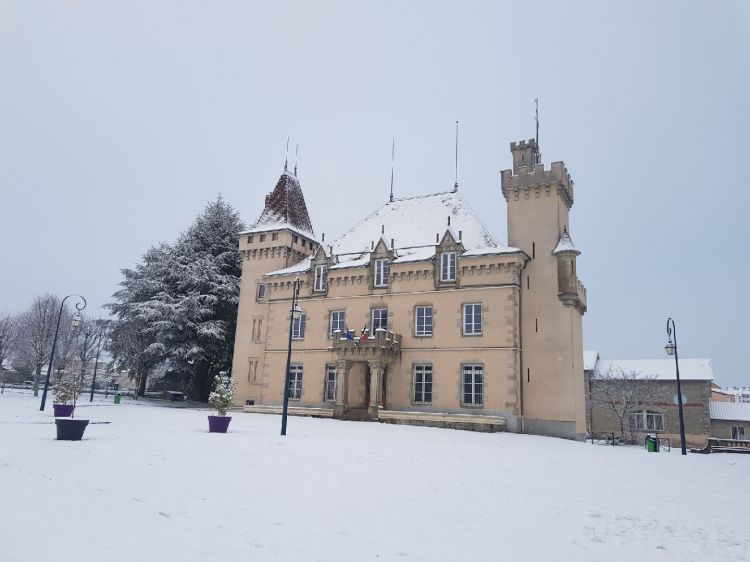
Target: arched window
646 420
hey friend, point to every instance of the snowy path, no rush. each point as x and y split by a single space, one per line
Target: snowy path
154 485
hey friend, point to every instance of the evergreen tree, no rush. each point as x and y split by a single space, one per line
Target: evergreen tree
180 305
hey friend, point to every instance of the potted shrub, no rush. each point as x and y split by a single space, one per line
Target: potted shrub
66 391
221 398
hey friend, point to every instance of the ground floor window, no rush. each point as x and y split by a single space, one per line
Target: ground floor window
738 432
330 389
295 382
422 384
646 421
473 385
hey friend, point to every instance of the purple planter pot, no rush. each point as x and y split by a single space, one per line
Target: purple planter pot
218 424
63 410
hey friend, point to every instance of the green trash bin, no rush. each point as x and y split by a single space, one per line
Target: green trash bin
652 443
117 398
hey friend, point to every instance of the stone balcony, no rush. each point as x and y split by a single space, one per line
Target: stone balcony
383 345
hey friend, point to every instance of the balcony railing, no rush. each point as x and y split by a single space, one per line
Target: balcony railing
383 344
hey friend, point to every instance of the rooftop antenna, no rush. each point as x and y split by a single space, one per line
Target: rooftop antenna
286 156
393 152
536 118
455 185
295 160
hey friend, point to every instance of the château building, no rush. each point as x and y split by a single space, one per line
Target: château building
416 314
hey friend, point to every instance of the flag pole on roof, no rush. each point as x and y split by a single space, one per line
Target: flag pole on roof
536 118
393 152
455 185
286 155
296 150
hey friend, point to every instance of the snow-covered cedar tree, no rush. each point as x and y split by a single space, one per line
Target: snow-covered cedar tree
67 388
180 305
223 394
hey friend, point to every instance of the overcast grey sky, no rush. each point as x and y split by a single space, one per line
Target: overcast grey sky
119 120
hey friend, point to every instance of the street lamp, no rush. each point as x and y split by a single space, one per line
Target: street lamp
75 322
294 314
671 349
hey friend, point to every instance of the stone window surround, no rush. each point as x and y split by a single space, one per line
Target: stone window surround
463 319
371 320
329 368
260 291
474 364
412 388
330 321
443 257
300 327
415 333
320 281
381 273
296 379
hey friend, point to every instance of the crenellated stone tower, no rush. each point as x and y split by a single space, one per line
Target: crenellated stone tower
553 301
280 238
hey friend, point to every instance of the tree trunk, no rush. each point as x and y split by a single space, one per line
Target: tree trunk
37 376
142 384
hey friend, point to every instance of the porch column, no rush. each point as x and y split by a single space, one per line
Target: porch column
342 387
377 368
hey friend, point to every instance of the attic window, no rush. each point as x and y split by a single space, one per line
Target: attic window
321 278
381 273
448 266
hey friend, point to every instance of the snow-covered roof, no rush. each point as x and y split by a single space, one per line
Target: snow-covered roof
565 244
268 227
734 411
300 267
285 205
661 369
589 360
414 221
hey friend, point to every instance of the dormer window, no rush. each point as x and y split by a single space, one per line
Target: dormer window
448 266
321 278
381 273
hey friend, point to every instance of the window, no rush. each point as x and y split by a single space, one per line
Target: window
330 390
422 384
381 273
338 322
423 321
295 239
448 266
472 319
738 432
379 319
274 236
321 277
298 327
250 239
295 382
646 421
262 237
473 385
261 294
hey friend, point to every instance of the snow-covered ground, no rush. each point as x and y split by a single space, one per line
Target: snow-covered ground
154 485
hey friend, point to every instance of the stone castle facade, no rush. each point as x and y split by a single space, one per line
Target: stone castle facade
416 314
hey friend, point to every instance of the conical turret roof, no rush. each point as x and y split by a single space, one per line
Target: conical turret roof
285 205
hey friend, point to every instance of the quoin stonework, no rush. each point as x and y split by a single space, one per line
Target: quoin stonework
416 314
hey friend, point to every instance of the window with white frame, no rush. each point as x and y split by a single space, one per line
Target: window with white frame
473 384
295 382
261 292
321 278
646 420
381 273
448 266
338 323
473 319
379 319
422 384
330 388
298 327
738 432
423 321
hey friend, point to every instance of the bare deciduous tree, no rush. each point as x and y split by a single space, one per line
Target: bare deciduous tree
8 332
36 330
622 392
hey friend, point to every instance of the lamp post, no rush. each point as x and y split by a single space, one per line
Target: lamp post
75 322
294 314
671 349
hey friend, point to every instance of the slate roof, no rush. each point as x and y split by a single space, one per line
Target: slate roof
285 205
